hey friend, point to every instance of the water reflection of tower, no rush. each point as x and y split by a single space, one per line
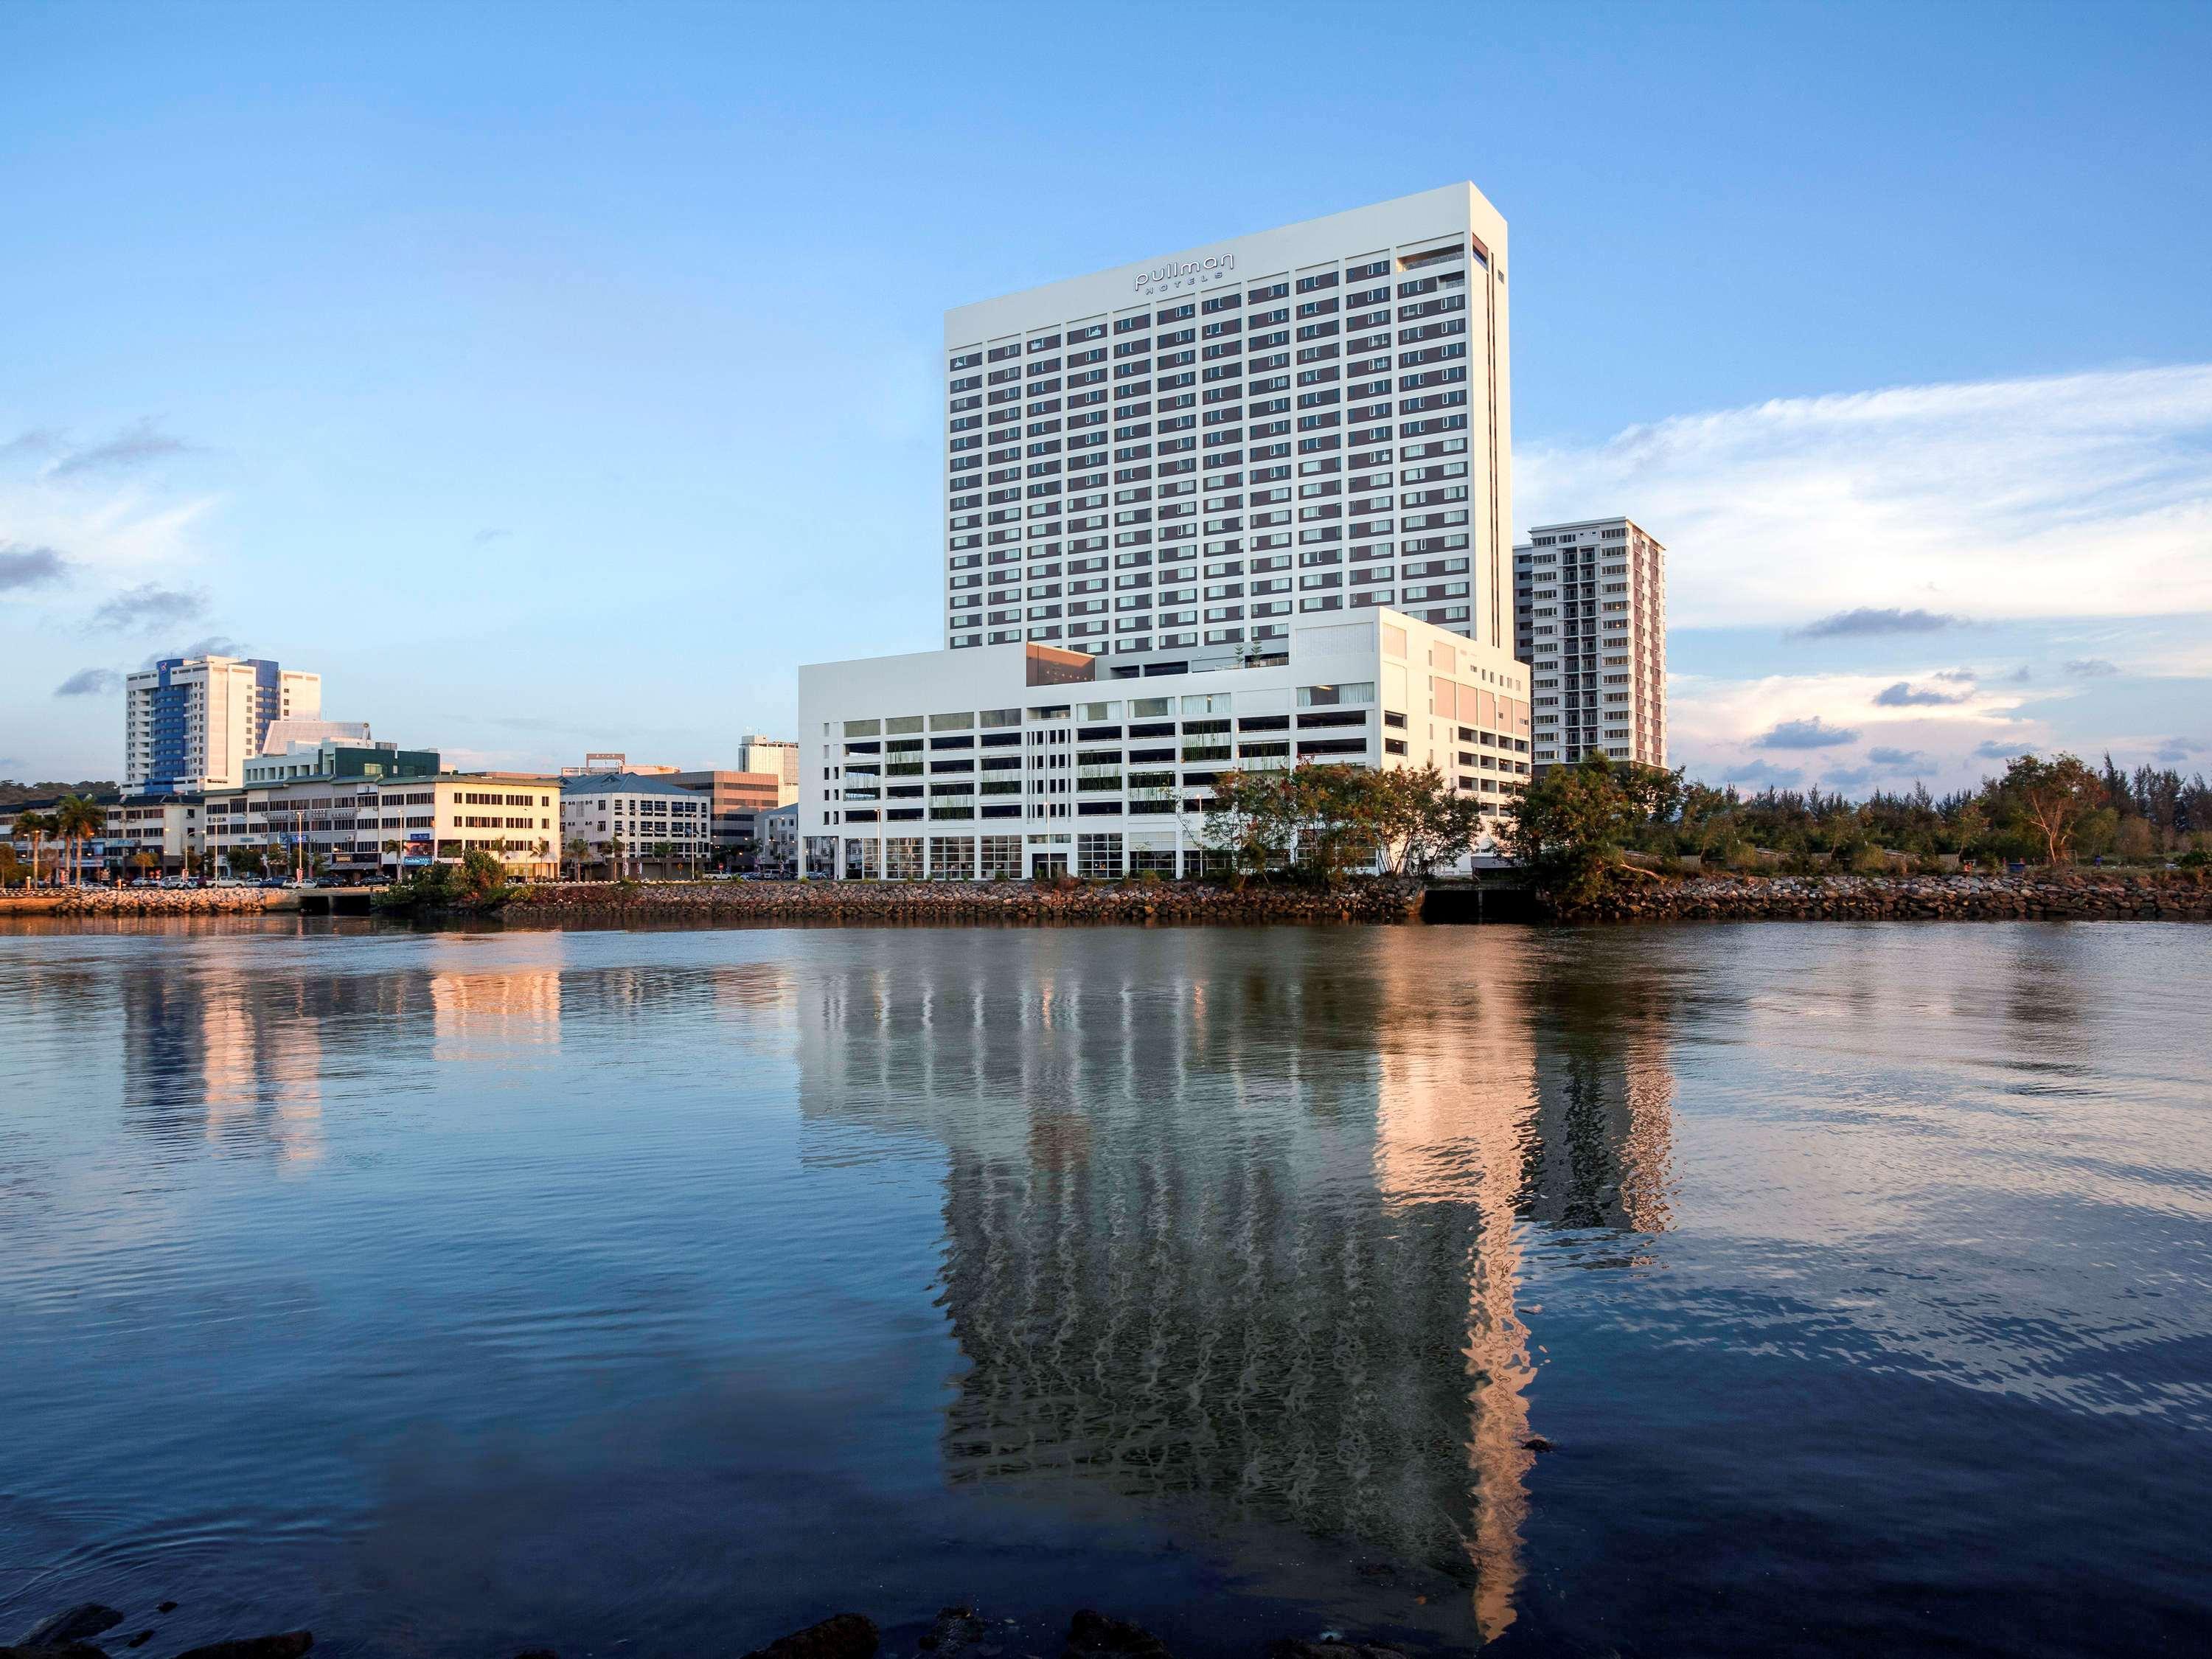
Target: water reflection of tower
1605 1089
1454 1127
1224 1226
223 1056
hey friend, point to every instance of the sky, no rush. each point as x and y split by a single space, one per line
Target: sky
553 378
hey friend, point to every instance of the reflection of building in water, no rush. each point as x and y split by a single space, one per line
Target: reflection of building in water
263 1071
212 1053
1452 1129
481 1007
1245 1234
1606 1091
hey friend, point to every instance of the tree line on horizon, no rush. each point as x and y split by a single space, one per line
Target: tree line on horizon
1576 822
15 794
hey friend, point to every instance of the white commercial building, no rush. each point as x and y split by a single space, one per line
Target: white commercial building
1590 621
1016 759
189 723
629 821
1169 465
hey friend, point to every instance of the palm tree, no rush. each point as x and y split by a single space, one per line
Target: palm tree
37 826
577 850
398 849
615 855
79 820
664 850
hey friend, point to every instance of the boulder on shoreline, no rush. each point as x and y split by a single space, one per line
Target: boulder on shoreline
841 1636
955 1630
1090 1633
78 1624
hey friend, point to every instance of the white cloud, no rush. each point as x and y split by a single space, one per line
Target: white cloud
1729 728
117 527
2078 493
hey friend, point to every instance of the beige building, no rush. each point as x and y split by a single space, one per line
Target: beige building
382 826
1589 607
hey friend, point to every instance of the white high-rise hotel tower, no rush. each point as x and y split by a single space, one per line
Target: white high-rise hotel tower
1590 615
1165 463
1266 483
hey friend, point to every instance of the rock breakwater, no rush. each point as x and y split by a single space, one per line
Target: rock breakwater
2079 895
1027 903
149 902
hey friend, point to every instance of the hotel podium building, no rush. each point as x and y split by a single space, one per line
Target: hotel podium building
1022 759
1171 464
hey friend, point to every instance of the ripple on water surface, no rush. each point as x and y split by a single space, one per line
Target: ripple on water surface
439 1291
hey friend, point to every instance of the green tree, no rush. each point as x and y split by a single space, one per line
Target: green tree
1567 829
1319 821
2136 842
2051 799
78 820
37 826
1421 821
578 849
1309 820
482 874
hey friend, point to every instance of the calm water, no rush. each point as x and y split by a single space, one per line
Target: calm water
656 1292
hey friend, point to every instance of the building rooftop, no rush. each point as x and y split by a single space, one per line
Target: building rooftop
623 783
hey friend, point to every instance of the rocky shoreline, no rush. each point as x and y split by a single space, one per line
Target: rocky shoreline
957 1632
2059 895
2076 896
68 1635
94 900
1030 903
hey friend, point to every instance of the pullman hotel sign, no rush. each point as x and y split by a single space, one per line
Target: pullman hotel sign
1184 273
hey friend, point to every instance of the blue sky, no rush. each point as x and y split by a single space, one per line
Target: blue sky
554 377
